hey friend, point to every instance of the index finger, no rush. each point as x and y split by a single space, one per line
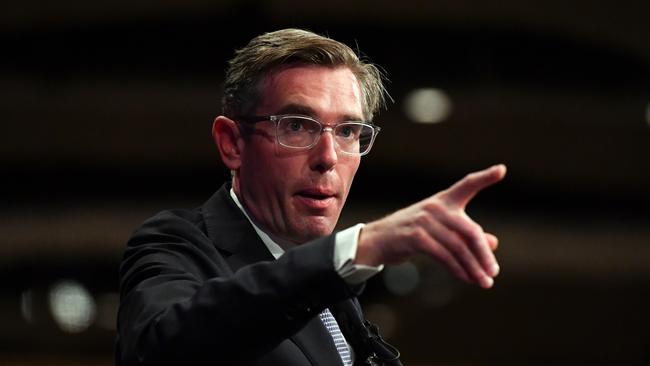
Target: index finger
465 189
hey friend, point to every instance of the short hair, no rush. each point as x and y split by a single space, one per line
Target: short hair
264 53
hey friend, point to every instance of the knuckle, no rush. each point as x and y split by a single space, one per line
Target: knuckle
433 206
421 218
420 235
421 241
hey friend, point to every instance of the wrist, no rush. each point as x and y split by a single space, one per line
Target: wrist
368 252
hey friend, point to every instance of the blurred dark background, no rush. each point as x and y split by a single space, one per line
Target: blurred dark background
106 111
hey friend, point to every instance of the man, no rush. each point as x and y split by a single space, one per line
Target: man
256 276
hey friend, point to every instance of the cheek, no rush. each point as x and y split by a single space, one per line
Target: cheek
259 172
348 171
354 166
280 174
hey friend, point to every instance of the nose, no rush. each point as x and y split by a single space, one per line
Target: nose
323 156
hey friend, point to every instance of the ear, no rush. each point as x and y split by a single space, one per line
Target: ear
227 137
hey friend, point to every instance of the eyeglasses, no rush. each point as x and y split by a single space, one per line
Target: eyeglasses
302 132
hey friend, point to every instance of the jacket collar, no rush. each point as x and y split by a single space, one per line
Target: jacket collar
231 232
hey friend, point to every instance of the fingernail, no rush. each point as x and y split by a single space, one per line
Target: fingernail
487 282
495 270
502 167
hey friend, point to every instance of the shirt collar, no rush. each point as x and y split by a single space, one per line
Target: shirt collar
275 249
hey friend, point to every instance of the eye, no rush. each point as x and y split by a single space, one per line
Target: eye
294 126
348 131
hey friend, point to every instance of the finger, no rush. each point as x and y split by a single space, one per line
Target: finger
475 240
472 266
492 240
459 248
447 259
464 190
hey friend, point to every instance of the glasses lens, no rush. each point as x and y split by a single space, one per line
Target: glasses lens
297 131
354 138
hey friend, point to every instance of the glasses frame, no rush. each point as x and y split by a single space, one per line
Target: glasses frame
323 128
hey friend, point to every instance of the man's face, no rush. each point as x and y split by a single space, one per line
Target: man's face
299 195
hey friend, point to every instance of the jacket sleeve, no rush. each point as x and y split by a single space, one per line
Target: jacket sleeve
182 304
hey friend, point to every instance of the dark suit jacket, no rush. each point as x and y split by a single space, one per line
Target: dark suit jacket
200 287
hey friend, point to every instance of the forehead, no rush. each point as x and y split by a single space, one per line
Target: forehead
326 91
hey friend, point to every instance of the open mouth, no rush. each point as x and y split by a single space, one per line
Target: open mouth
315 198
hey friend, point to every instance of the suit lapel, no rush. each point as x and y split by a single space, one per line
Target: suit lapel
350 319
232 233
364 336
317 344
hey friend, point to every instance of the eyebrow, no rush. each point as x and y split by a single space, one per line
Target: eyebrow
293 108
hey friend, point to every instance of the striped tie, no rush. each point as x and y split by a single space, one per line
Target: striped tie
333 327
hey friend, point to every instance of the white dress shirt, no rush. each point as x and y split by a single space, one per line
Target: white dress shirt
345 249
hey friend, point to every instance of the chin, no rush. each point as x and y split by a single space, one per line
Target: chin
315 231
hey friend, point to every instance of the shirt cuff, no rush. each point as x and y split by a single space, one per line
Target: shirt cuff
345 252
